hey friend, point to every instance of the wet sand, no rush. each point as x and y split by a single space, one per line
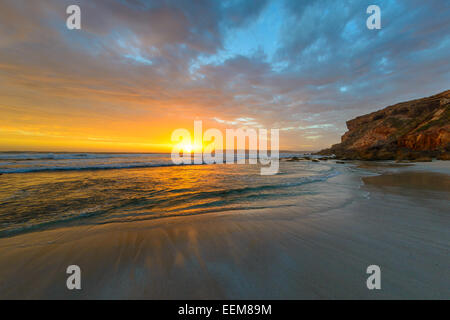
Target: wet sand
402 225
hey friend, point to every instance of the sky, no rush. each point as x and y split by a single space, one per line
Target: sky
137 70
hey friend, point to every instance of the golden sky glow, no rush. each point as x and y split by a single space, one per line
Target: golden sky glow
134 73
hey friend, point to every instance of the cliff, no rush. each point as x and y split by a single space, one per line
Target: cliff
408 130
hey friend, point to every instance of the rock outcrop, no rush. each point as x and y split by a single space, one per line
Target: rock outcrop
405 131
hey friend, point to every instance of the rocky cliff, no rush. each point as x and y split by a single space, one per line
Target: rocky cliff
405 131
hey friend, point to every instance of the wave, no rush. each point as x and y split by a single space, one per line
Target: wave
38 162
88 167
222 200
30 156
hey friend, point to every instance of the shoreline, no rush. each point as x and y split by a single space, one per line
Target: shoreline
263 254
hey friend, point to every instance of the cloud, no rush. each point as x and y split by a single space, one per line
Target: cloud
142 65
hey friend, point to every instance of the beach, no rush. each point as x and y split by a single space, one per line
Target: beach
394 216
399 222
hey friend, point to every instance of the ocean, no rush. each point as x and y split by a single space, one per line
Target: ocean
139 227
50 190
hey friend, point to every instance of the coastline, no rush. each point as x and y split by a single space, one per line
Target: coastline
259 254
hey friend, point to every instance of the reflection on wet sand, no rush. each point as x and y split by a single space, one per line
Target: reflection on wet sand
272 253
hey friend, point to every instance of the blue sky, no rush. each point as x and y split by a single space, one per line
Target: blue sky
304 67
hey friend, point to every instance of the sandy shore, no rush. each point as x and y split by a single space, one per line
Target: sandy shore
402 225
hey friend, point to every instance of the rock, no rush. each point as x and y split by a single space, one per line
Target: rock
444 156
340 162
315 160
295 159
406 131
298 159
423 159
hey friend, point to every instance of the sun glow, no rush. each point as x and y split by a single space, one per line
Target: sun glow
189 147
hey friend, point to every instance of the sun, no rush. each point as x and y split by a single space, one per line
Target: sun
189 147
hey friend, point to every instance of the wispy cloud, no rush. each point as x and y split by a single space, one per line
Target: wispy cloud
138 68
